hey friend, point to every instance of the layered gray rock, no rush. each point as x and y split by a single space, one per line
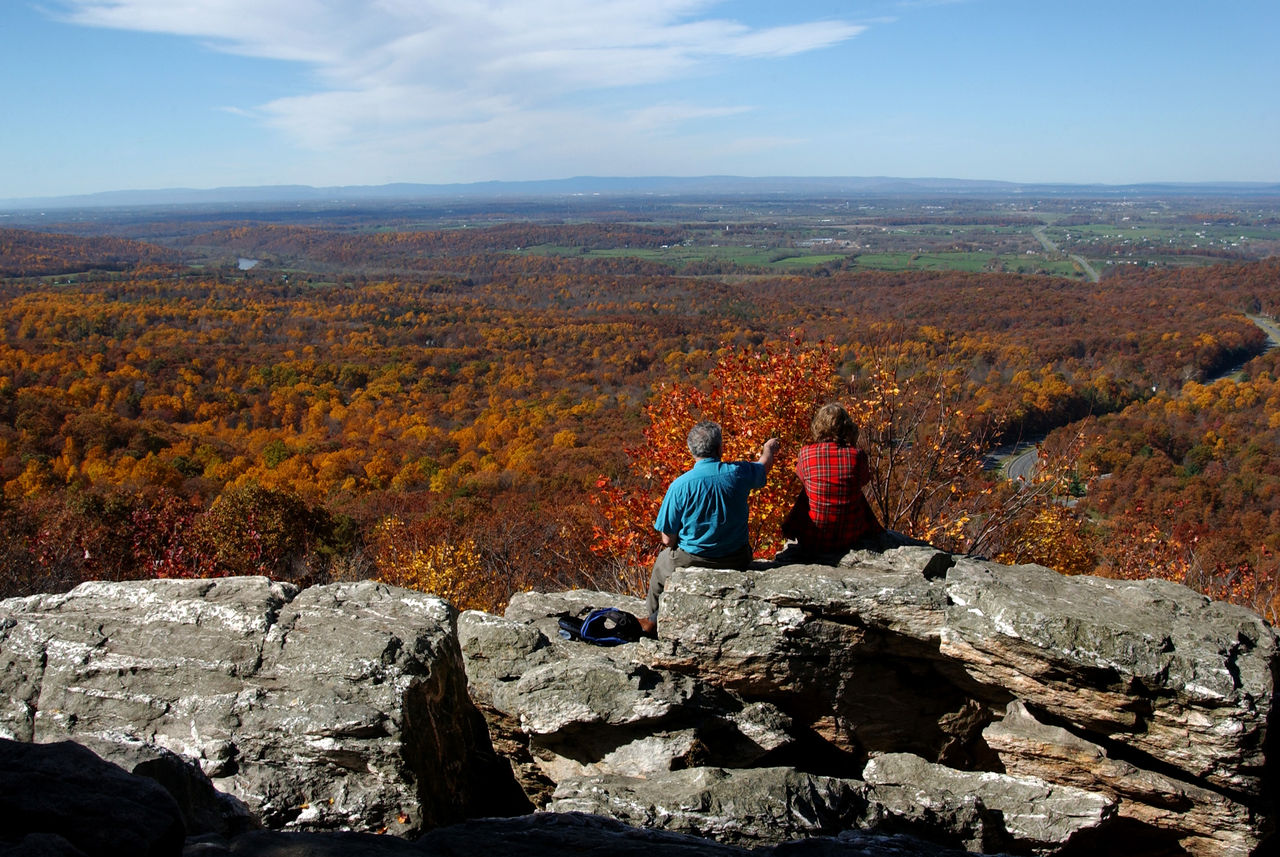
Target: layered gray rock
63 800
340 706
1200 821
1149 665
1176 687
981 811
994 706
987 811
904 695
850 652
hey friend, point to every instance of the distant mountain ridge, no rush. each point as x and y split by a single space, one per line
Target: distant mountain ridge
624 186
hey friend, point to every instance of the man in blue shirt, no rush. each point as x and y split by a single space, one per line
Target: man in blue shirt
703 518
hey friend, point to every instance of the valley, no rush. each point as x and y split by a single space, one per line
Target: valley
437 394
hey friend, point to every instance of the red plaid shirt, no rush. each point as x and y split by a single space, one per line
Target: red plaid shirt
839 514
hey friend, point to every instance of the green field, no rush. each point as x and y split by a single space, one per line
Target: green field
924 261
973 262
1155 236
682 255
783 260
1055 267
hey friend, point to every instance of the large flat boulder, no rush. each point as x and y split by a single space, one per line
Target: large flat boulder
985 810
1198 820
337 707
851 652
981 811
749 807
62 800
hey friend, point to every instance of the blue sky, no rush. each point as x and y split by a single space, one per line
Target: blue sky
140 94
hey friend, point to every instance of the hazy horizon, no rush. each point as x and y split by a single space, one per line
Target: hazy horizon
629 188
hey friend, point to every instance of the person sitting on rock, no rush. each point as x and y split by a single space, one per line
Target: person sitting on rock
832 515
703 517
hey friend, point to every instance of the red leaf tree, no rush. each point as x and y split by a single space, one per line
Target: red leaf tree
754 394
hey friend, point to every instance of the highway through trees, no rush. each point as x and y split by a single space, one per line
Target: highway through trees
1047 243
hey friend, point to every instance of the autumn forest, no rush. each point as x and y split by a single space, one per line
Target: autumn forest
481 408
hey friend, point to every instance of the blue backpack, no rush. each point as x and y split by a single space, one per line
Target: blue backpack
607 626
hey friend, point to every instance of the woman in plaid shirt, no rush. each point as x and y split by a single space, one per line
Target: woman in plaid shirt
832 515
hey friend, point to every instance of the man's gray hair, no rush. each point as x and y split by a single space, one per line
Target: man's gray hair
704 440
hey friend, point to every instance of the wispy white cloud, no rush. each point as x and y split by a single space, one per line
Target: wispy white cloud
670 114
439 78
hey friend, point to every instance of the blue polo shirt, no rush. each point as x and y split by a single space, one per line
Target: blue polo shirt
706 507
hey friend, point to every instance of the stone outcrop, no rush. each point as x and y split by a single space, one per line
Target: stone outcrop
905 703
586 709
1207 821
337 707
1149 666
986 706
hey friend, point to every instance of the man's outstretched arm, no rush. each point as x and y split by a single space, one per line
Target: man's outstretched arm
769 452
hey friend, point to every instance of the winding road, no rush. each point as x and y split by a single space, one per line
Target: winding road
1269 327
1022 463
1022 466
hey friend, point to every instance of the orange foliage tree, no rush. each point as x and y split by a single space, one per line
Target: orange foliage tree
924 446
1038 522
1035 519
